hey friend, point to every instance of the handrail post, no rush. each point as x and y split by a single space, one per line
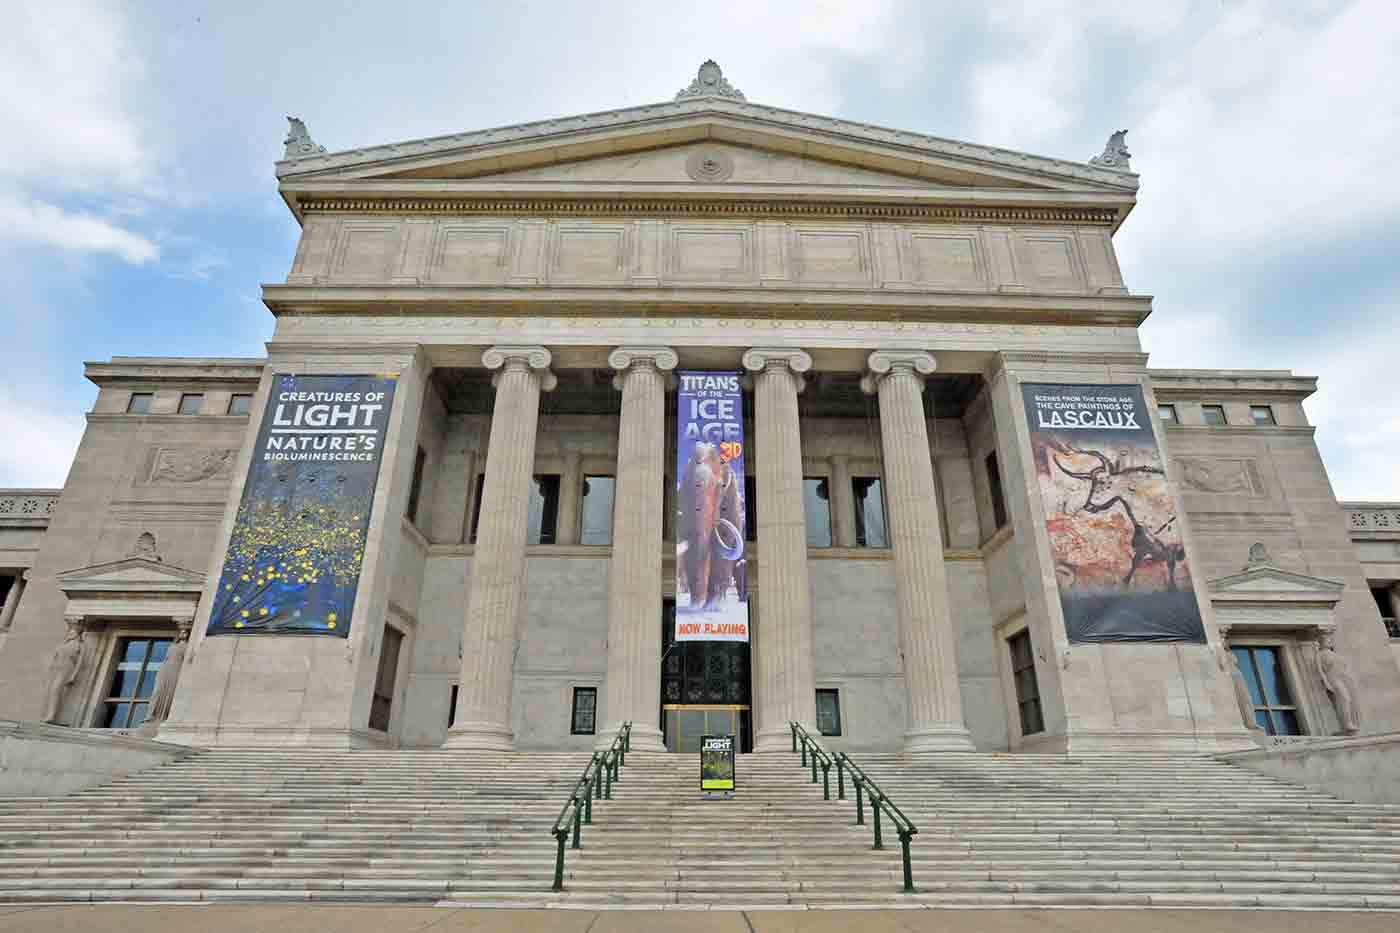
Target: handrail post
617 766
607 788
826 779
578 825
860 804
598 779
875 801
804 751
626 736
904 837
588 801
840 778
560 835
793 726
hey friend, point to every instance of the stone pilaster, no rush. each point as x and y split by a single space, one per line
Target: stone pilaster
497 594
843 505
633 690
784 686
933 701
570 498
7 614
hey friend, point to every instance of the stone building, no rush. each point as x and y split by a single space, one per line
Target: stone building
531 292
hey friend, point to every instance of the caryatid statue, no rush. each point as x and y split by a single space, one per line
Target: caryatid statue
1336 677
166 679
1242 694
63 670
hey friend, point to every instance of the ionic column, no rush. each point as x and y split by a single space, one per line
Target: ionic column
843 502
497 596
633 690
570 498
7 614
784 683
934 704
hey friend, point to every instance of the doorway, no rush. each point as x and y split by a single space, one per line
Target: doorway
705 688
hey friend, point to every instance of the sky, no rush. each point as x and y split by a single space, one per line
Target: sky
139 213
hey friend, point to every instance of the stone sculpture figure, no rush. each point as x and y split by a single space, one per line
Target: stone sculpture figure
1332 667
1115 153
166 679
1242 695
63 670
299 142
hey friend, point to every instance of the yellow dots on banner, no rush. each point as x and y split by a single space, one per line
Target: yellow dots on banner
330 619
246 578
262 611
238 625
228 586
238 599
330 625
243 613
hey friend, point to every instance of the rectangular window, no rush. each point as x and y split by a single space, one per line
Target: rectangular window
476 506
816 502
139 403
1262 415
452 707
190 403
1213 414
1167 414
542 518
596 527
240 403
829 712
1027 689
870 512
1274 709
381 704
750 508
128 699
583 718
997 493
415 489
1381 594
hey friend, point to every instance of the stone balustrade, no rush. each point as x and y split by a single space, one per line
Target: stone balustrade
1373 517
27 507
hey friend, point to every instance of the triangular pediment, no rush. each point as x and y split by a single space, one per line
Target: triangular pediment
1269 582
131 574
653 144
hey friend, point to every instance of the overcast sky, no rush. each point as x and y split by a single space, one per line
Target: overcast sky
139 213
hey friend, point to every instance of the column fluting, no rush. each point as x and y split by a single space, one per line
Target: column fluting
784 684
633 688
496 598
933 700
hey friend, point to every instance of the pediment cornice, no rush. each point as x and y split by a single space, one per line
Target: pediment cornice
130 575
1267 583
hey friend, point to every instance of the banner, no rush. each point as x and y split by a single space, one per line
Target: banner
1111 516
293 561
711 571
717 763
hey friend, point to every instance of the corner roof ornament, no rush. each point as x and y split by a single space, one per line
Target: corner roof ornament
299 142
1115 153
710 82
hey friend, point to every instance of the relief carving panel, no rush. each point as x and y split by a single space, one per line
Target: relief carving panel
831 255
1221 476
1050 260
368 251
471 252
592 252
715 253
190 464
952 260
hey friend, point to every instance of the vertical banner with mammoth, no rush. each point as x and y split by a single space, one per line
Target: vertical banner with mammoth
711 582
1112 519
293 560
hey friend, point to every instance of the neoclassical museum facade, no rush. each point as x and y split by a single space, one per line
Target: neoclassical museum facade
707 416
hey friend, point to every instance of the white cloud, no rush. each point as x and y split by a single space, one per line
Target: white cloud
39 222
39 444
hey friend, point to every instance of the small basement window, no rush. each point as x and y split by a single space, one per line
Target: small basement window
583 719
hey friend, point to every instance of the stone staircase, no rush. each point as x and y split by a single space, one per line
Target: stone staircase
428 826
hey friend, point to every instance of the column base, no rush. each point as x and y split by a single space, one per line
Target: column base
644 738
779 740
484 736
949 738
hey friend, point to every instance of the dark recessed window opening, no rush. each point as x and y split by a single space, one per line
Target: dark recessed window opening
583 717
240 404
1213 414
139 403
1027 689
829 712
997 493
750 508
816 502
1262 415
1274 709
415 489
596 524
1166 414
128 699
382 702
871 530
542 516
190 403
476 506
452 707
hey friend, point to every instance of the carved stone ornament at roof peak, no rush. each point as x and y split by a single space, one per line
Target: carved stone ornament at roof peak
710 82
1115 153
299 142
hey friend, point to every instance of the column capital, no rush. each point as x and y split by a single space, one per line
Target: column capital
790 360
883 363
530 358
75 622
630 359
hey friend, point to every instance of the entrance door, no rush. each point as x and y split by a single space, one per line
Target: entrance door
704 688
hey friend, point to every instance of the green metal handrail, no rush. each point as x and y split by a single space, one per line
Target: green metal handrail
865 786
596 782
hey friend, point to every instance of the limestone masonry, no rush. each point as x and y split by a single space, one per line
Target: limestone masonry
972 516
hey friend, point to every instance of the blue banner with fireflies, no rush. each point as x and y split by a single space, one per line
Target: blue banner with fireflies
293 560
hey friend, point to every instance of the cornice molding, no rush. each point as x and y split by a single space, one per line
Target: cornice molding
714 207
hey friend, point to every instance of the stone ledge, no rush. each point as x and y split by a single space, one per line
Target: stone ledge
40 760
1365 768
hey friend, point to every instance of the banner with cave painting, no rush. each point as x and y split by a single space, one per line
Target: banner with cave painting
711 568
1111 516
293 561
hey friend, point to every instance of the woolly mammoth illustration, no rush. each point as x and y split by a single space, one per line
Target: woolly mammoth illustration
711 529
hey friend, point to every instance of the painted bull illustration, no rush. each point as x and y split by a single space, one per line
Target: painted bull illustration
711 528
